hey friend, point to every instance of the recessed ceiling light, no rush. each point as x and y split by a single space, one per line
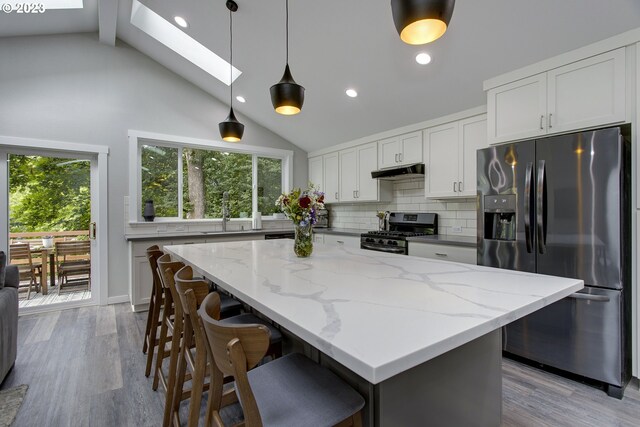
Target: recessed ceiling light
241 99
423 58
351 93
180 21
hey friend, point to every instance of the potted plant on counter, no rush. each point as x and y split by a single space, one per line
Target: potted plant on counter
301 206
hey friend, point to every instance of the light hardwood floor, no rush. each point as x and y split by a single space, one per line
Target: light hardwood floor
85 367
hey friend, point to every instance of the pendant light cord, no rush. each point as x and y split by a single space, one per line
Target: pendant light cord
231 56
287 9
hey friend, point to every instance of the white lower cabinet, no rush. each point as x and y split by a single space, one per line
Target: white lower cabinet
140 276
340 240
464 254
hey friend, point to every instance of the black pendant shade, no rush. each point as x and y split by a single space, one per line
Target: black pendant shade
287 96
231 130
421 21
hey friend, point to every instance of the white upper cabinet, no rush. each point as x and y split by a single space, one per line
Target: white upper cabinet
441 150
587 93
316 172
367 162
517 110
400 150
356 184
579 95
473 137
450 157
348 175
331 177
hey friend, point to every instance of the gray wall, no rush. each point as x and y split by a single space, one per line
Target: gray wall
72 88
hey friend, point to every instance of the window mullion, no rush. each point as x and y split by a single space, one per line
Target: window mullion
254 184
180 184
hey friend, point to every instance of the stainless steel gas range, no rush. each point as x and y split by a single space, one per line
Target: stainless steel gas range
401 225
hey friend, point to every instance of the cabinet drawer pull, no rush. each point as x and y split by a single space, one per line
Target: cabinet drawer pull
441 254
340 241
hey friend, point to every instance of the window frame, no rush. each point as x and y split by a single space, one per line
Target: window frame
138 138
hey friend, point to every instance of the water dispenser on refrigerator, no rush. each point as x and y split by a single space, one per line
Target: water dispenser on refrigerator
500 217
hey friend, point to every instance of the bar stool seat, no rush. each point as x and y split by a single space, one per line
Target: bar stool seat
229 306
313 395
252 319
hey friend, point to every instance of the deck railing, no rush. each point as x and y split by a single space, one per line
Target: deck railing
35 238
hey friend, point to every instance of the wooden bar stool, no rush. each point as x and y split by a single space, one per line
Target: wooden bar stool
291 390
193 334
156 304
170 331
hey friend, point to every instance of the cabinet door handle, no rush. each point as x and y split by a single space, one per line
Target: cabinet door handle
441 254
460 186
357 194
541 119
454 187
336 195
396 157
400 156
550 125
340 242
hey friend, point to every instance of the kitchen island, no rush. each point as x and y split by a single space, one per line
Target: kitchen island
419 338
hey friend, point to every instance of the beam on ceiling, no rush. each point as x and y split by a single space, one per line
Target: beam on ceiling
107 20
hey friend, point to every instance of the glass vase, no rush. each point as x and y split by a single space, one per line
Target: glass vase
303 243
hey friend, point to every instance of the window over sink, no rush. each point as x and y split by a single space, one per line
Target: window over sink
186 179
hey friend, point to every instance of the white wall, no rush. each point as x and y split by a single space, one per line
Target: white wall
408 196
71 88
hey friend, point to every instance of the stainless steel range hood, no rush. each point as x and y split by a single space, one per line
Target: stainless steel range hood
403 172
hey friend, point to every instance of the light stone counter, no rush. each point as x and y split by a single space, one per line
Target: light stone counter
377 314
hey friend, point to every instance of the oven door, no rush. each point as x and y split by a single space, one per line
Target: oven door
383 248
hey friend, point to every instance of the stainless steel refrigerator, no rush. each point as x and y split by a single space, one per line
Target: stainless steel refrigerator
560 206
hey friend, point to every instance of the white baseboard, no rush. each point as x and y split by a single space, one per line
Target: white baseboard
117 300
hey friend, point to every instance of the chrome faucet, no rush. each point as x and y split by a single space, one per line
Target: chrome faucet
225 210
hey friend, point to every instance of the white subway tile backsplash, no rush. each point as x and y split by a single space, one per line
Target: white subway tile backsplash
408 196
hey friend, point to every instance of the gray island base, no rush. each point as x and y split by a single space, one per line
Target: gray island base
462 387
419 338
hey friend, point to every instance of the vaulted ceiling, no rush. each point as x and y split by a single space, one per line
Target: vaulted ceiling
340 44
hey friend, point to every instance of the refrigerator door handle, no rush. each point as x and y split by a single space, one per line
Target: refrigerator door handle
527 206
540 207
589 297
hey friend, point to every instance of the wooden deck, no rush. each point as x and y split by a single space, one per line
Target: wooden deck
52 297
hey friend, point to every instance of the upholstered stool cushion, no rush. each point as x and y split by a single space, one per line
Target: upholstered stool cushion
250 319
294 391
229 306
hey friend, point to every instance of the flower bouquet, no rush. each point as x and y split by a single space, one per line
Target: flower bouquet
301 206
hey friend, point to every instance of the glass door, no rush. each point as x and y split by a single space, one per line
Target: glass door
51 234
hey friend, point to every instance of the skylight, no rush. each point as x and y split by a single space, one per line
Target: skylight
61 4
175 39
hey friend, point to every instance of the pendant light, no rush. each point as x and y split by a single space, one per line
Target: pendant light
421 21
287 96
231 129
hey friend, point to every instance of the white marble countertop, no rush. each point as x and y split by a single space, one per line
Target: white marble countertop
378 314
